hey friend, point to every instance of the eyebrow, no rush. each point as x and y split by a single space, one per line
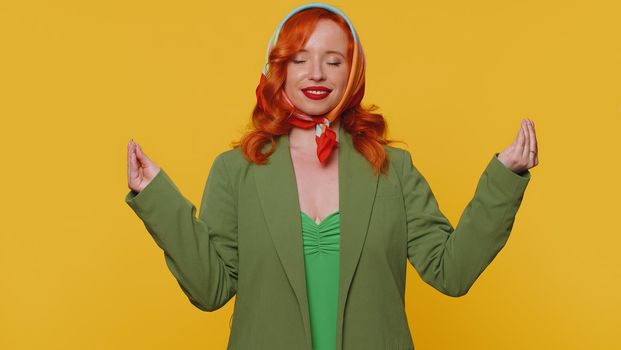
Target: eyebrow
329 51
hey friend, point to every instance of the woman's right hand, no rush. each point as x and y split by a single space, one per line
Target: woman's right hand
140 169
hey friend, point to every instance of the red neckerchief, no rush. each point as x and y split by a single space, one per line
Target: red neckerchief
326 138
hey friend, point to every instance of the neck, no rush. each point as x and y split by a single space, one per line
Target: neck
304 139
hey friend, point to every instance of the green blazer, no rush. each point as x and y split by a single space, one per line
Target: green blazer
247 241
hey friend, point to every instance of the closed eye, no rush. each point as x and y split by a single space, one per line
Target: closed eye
336 64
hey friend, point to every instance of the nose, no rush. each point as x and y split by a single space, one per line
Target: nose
317 72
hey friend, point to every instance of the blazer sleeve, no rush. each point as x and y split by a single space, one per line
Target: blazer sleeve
201 253
451 259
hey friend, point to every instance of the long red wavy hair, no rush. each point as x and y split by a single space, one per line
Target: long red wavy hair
368 129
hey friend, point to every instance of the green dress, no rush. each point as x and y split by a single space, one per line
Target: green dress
321 259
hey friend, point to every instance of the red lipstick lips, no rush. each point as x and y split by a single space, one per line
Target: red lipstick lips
316 92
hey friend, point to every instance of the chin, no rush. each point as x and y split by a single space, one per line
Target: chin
316 110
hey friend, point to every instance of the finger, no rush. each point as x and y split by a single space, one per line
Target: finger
520 141
130 167
532 153
536 145
134 163
526 150
534 136
518 137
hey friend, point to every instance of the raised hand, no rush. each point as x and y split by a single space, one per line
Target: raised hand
140 169
522 154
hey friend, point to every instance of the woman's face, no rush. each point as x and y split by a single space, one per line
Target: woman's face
317 74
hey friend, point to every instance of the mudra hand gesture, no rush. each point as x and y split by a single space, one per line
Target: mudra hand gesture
140 169
521 155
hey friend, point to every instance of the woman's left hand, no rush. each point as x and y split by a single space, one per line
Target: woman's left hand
521 155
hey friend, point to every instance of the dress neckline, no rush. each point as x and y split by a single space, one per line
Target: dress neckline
322 221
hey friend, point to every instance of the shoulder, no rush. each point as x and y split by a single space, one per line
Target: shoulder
395 152
232 163
397 156
232 158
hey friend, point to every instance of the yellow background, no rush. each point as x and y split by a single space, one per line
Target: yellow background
78 79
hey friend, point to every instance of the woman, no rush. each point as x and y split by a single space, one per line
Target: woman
310 219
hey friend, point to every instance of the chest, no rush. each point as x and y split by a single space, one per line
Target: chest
317 184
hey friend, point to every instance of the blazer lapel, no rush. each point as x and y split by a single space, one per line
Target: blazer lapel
357 187
277 189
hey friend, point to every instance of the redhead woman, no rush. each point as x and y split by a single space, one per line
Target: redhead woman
310 219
